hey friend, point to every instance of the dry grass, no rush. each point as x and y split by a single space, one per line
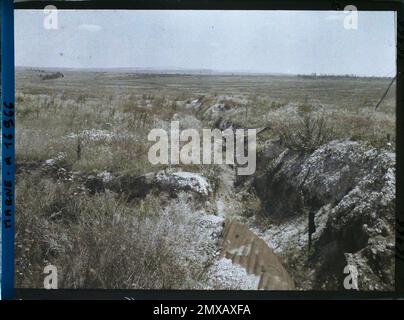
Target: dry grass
98 241
94 122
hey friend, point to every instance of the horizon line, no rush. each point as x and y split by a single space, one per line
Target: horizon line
202 71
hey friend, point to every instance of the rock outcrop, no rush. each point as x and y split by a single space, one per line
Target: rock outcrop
138 186
352 189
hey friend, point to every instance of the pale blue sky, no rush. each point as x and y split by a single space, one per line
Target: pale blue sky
257 41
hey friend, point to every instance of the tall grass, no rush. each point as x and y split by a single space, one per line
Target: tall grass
99 241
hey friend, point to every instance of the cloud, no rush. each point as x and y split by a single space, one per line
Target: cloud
90 27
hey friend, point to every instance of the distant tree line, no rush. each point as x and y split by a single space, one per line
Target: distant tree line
49 76
334 76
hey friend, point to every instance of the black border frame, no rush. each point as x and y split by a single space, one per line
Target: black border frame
369 5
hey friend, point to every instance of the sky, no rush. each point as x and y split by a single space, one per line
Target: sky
294 42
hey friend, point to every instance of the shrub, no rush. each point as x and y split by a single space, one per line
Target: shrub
307 132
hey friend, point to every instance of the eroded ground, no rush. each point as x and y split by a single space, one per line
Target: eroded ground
90 202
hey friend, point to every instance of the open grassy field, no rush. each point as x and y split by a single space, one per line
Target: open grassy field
131 104
94 124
